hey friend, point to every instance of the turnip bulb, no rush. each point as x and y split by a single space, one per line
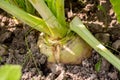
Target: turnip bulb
69 50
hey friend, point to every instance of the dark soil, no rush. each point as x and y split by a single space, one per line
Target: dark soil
18 44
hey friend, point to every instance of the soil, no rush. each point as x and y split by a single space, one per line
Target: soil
18 44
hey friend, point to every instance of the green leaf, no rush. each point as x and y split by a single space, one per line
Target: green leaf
23 4
56 27
51 5
77 26
18 3
29 7
10 72
116 5
33 21
98 65
57 8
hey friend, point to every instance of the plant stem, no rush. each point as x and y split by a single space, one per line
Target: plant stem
77 26
57 29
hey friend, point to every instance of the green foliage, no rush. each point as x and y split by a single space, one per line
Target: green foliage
57 8
56 22
23 4
35 22
51 23
77 26
98 65
10 72
116 5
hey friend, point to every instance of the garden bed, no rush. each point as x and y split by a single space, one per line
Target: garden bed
15 35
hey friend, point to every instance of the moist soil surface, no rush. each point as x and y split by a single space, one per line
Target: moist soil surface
18 44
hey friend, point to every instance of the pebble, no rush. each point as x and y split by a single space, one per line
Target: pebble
92 77
103 37
113 75
116 44
95 28
3 49
105 65
85 63
4 36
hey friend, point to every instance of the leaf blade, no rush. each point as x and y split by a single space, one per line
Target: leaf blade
116 5
10 72
77 26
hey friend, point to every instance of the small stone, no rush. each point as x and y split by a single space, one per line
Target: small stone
105 65
92 77
88 7
70 14
56 67
33 71
85 63
103 37
4 19
113 75
95 28
3 49
5 36
2 24
116 44
43 59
